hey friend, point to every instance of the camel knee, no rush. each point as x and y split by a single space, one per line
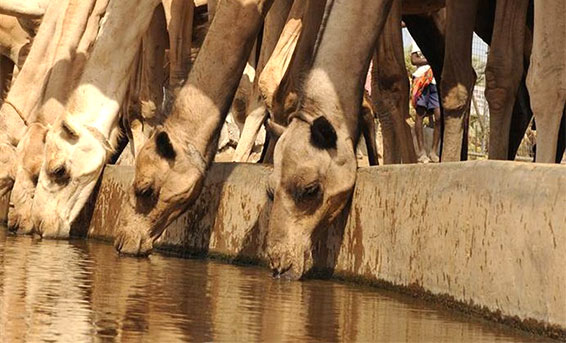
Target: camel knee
456 98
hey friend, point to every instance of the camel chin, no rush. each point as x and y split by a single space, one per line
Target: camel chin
167 180
29 160
313 177
73 160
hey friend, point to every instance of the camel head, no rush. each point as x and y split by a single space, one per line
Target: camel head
74 157
313 177
29 160
169 176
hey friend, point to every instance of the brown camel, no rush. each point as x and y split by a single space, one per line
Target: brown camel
171 167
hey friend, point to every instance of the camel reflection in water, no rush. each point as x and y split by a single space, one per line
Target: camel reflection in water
74 290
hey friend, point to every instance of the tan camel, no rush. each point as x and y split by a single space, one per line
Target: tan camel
26 95
546 79
276 88
171 166
55 62
252 113
315 165
85 132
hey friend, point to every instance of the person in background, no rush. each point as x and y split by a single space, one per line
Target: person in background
425 100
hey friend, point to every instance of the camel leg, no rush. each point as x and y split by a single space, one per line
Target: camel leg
239 104
369 130
458 76
179 17
390 90
274 24
284 99
520 119
547 72
428 31
504 71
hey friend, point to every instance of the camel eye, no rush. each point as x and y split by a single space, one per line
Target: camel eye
35 179
308 193
69 130
144 193
311 190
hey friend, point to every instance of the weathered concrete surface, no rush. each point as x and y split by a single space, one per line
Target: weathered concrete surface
487 234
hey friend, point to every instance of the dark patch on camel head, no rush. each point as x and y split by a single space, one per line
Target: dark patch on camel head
323 135
164 147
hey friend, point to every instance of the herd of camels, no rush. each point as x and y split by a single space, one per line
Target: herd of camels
80 78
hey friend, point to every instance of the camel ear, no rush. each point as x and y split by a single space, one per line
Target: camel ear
323 135
273 128
164 147
69 128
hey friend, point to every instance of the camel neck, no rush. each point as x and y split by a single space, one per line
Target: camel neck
203 102
336 80
97 98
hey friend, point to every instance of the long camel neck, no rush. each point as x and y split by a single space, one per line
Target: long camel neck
203 102
97 98
334 85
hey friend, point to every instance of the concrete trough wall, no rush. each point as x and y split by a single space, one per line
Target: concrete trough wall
486 235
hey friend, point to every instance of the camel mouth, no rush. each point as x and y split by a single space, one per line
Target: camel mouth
286 274
53 228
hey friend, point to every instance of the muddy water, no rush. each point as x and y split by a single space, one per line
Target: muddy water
77 290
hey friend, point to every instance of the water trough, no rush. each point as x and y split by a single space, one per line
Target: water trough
487 237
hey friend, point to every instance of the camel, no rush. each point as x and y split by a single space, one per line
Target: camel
148 98
171 167
147 85
68 27
85 133
547 74
315 165
27 95
252 108
278 82
506 33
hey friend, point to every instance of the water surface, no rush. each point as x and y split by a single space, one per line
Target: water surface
83 291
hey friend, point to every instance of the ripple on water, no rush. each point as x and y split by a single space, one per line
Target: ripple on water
73 290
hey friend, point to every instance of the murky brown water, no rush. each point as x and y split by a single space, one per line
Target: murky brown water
77 290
